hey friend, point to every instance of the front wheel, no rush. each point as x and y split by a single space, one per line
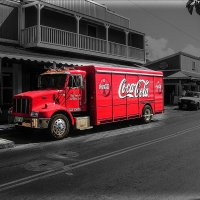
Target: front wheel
147 114
59 127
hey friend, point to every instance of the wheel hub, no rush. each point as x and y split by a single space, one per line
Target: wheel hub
147 114
59 127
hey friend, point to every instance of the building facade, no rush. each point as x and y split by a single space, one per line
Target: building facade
35 34
181 72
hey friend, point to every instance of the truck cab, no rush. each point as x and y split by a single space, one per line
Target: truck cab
61 97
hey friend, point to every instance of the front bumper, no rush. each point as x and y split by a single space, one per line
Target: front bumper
38 123
187 105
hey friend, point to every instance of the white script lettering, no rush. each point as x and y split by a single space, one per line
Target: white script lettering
104 87
132 90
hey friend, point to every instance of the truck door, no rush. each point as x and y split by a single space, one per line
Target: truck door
76 93
158 92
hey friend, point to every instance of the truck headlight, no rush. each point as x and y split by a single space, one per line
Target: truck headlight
34 114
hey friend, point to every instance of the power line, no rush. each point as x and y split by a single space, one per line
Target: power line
164 21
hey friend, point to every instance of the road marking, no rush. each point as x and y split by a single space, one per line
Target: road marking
66 169
69 174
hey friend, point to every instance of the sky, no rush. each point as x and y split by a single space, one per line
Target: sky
168 26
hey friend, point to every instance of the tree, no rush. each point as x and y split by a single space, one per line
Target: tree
191 4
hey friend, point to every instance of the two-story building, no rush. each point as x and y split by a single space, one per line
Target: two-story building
181 72
35 34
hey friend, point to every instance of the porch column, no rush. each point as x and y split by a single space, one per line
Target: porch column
78 29
0 83
21 23
180 89
144 47
126 32
39 8
107 47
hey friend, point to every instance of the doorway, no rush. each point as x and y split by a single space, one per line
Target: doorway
169 94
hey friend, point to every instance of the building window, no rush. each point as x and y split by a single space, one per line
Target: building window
92 31
193 65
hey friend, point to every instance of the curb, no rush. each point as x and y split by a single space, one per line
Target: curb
170 107
6 144
7 127
3 142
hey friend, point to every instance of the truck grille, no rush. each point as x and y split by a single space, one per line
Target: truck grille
21 106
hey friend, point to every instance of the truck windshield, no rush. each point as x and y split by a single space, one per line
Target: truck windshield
52 80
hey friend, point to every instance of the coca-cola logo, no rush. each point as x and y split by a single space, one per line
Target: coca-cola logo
104 87
132 90
159 87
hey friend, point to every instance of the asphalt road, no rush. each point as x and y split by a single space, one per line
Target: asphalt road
127 160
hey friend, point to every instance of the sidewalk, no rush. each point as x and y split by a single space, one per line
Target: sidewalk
6 143
170 107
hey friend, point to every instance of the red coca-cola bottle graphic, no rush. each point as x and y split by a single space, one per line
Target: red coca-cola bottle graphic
104 87
159 87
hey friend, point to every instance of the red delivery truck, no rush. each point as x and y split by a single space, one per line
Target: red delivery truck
84 96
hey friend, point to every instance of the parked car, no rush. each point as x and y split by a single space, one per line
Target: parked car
191 100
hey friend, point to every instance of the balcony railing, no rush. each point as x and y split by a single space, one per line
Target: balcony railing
117 49
57 37
92 44
29 35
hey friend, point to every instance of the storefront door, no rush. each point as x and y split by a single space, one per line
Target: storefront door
10 84
169 94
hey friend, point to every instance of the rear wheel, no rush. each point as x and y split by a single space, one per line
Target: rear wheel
147 114
59 127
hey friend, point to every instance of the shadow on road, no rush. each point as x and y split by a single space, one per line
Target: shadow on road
41 136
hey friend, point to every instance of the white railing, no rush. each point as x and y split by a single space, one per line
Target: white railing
63 38
136 53
29 35
117 49
58 37
92 44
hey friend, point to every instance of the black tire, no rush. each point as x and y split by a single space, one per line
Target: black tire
58 127
146 114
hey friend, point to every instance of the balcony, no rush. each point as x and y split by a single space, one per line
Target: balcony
51 38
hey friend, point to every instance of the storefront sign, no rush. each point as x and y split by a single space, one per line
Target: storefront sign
163 65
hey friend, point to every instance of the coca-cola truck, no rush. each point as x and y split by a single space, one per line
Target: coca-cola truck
84 96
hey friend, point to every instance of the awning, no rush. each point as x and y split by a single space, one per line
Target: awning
19 53
184 75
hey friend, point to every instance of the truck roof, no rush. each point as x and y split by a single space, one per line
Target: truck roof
65 70
121 70
105 69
